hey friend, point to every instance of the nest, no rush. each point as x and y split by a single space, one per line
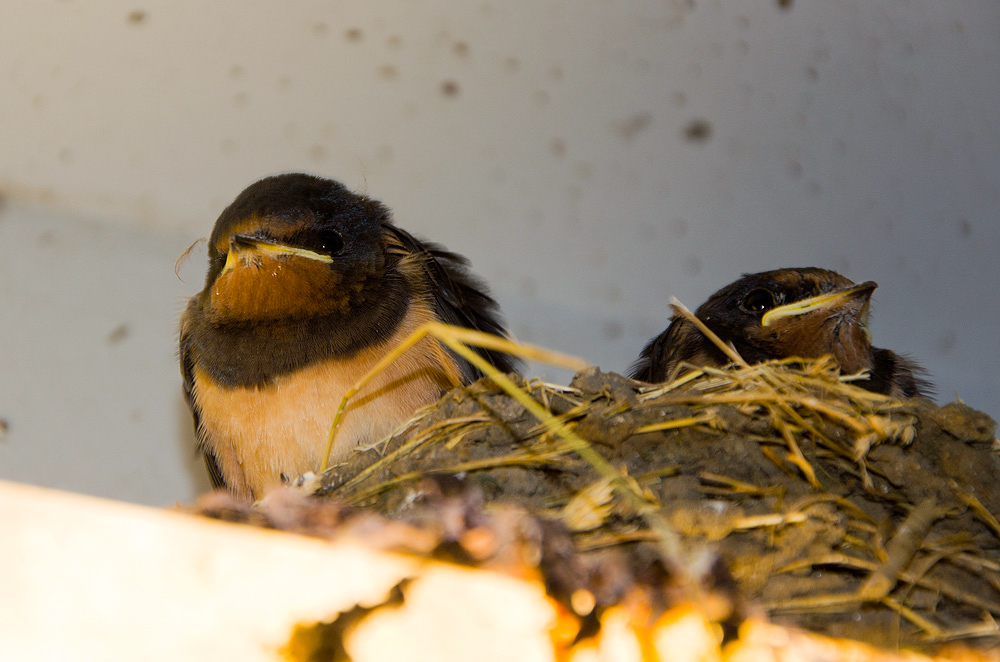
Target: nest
834 508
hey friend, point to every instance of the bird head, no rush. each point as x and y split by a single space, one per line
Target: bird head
794 312
293 246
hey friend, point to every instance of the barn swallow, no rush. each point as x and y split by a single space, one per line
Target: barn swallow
784 313
308 286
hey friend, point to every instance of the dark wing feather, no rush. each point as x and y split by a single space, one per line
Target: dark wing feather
653 361
898 376
680 342
187 374
460 298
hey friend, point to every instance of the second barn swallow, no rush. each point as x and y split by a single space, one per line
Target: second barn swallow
308 286
784 313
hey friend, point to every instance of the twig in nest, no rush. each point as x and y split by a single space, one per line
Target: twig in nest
454 337
835 600
900 551
709 418
977 507
733 486
772 519
727 349
514 459
663 389
838 559
796 458
589 508
406 448
930 629
988 627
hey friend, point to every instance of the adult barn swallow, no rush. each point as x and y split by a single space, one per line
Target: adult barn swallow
785 313
309 285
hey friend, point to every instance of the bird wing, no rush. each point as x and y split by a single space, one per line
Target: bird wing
652 362
680 342
187 374
459 297
898 376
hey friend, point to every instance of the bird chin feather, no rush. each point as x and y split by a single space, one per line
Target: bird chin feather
263 287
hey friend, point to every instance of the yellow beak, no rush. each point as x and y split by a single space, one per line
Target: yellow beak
243 245
827 301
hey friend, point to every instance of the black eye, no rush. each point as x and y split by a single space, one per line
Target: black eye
757 301
330 242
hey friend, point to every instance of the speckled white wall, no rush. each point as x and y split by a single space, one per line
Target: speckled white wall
592 158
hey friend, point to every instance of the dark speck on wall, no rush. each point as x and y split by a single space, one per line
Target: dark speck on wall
45 238
558 147
598 258
611 330
384 153
317 153
692 265
887 227
964 227
388 72
449 88
461 49
634 125
698 131
785 4
947 342
678 227
611 292
135 17
4 428
354 34
118 334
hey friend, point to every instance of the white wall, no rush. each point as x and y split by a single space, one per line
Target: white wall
546 140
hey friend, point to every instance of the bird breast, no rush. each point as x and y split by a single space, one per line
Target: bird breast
260 434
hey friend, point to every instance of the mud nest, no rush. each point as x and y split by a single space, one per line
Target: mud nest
834 509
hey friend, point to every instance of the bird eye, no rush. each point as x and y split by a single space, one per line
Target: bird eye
757 301
330 242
